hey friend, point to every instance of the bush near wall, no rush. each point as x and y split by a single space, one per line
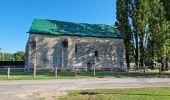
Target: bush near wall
12 63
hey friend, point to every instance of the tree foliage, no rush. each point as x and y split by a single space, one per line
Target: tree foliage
19 56
124 26
147 27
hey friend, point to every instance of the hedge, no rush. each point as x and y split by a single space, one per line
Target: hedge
11 63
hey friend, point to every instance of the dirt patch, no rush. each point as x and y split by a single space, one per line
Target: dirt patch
41 95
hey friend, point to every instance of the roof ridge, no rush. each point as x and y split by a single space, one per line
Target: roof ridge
72 22
56 27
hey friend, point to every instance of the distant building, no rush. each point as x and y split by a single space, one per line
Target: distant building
62 44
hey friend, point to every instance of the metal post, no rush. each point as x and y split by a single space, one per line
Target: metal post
94 70
3 56
159 71
75 72
35 66
34 72
56 72
145 71
112 71
0 54
8 72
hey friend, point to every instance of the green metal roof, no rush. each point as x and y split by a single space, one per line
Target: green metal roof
54 27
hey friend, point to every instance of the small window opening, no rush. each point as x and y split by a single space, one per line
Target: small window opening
96 54
33 45
75 48
65 44
45 60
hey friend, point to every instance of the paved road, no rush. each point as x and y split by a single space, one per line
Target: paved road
36 89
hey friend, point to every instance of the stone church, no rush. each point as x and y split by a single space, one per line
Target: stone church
61 44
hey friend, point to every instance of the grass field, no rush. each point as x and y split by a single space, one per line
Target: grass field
119 94
20 75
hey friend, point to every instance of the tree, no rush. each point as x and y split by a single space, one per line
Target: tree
138 15
124 27
157 31
134 27
142 21
145 29
166 5
19 56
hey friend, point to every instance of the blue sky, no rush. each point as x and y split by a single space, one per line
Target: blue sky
17 15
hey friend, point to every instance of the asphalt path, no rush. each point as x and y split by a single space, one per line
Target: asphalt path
49 89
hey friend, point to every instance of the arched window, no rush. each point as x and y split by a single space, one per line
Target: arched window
65 44
75 48
96 54
33 45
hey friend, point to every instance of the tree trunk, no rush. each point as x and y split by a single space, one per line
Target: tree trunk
141 52
127 51
162 64
127 59
166 64
136 50
152 56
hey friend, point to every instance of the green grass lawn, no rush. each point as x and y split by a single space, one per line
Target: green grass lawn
20 75
162 93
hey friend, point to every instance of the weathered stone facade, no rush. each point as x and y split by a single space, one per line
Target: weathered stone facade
48 51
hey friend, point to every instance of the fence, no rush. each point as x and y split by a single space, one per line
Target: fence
52 73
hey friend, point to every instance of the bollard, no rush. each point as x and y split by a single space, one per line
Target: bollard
8 72
56 72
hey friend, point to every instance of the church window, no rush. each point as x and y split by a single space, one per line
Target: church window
96 54
65 44
75 48
33 45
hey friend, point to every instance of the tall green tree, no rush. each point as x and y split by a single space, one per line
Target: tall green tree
157 31
146 26
138 14
133 12
166 5
124 26
142 21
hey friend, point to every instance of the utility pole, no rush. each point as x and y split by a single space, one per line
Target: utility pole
0 54
3 55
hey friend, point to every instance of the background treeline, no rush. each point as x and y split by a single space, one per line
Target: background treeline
146 28
18 56
12 59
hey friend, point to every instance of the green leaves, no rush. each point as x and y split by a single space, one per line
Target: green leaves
145 23
19 56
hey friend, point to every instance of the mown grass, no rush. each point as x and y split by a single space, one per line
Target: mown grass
20 75
162 93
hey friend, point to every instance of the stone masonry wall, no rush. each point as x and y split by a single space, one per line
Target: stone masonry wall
46 51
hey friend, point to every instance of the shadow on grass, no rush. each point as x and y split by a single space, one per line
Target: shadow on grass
142 94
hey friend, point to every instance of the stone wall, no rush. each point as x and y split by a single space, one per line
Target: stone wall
46 51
